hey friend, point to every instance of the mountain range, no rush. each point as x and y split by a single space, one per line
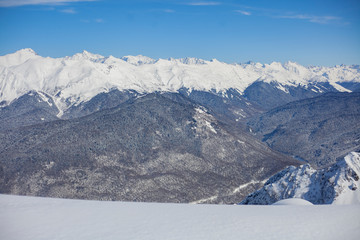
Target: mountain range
167 130
72 80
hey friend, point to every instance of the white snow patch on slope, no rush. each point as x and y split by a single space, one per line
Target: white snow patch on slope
252 182
203 121
28 218
339 87
208 125
45 98
204 200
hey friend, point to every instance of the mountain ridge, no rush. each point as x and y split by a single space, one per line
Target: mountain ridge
337 184
78 78
319 130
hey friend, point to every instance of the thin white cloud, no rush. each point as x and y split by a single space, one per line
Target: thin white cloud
168 10
48 9
68 10
203 3
96 20
17 3
243 12
311 18
275 13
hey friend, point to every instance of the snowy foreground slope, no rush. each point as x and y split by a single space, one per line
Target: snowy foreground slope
337 184
45 218
75 79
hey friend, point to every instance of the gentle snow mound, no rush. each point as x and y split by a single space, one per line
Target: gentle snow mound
293 201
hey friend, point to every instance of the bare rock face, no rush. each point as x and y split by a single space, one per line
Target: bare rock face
338 184
157 147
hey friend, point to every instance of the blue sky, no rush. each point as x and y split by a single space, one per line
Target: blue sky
310 32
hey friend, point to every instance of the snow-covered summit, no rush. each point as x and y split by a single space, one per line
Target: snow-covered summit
18 57
85 55
191 60
138 60
78 78
337 184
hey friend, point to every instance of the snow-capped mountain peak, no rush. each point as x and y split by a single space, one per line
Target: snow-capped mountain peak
18 57
192 61
85 55
337 184
138 60
352 161
26 51
295 67
214 60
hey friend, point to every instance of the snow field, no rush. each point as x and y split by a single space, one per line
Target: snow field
45 218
